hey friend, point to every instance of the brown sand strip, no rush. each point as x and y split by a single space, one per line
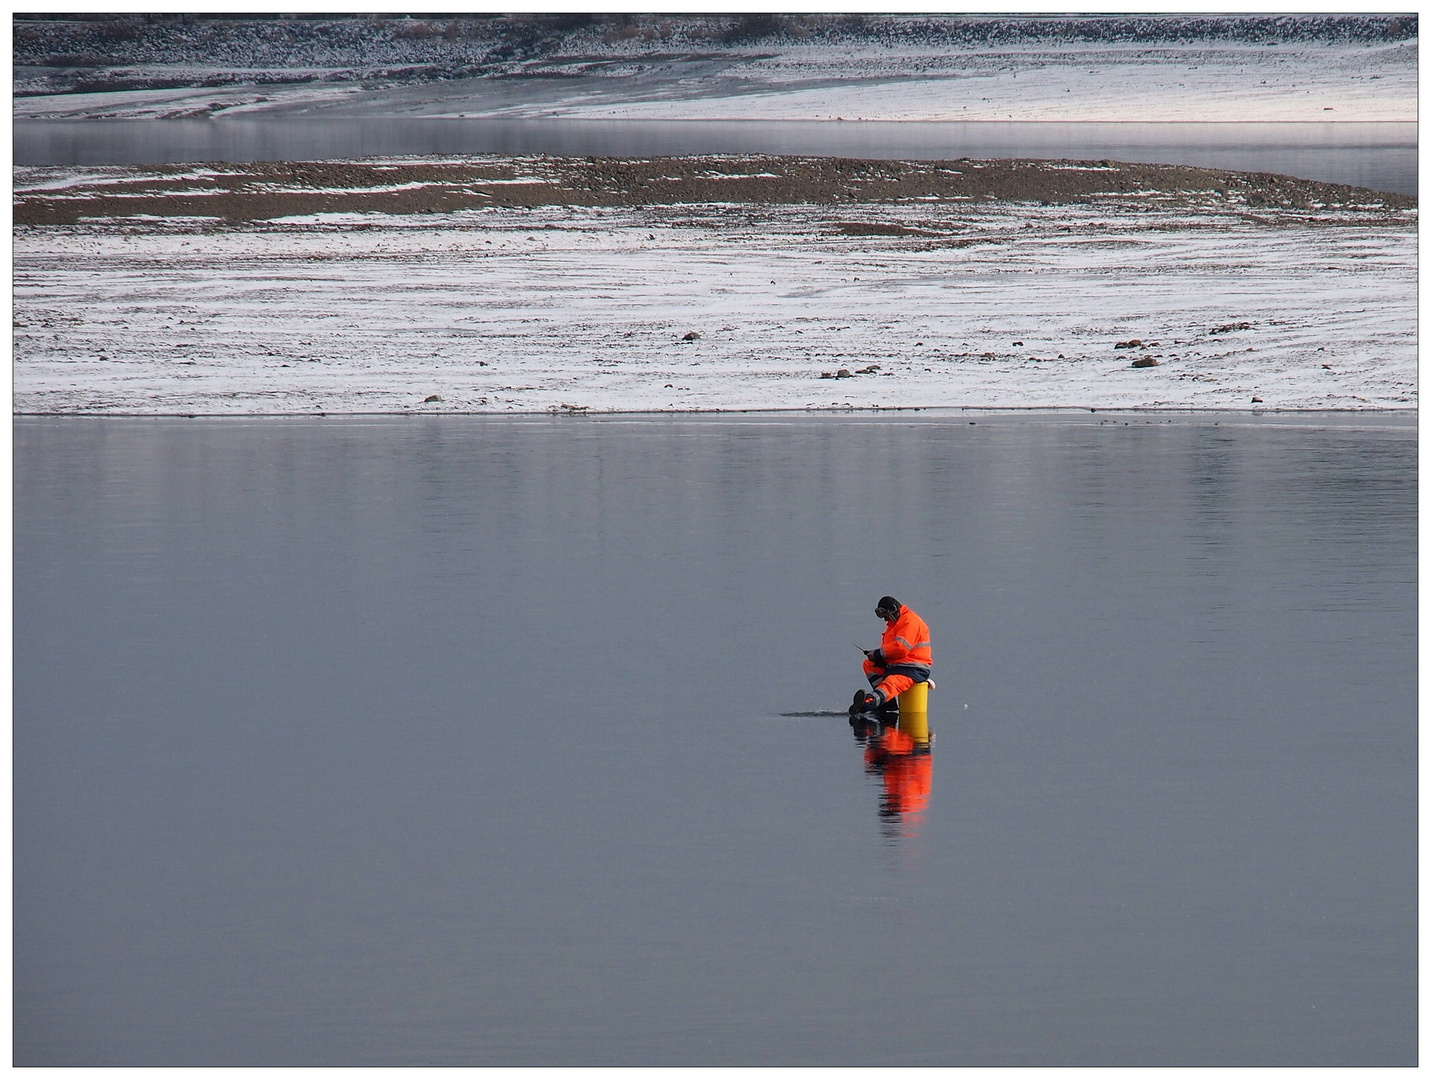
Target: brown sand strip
267 190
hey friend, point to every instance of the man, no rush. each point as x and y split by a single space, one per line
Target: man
903 658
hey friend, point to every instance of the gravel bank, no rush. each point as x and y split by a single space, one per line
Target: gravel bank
264 191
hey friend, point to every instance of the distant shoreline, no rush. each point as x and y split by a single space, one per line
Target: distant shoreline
1191 67
1394 416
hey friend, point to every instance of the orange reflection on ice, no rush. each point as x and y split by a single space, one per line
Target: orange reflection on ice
899 752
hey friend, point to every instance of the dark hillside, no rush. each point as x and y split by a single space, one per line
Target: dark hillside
79 53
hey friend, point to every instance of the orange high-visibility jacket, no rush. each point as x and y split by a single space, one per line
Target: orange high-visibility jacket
906 640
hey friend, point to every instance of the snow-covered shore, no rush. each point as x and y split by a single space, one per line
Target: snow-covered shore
991 68
429 298
713 306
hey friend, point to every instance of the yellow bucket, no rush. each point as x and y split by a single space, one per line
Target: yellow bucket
915 699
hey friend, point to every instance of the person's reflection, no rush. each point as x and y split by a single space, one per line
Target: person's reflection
899 753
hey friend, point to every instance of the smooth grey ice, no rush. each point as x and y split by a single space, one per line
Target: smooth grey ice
462 741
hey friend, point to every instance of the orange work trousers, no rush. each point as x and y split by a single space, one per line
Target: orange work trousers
890 683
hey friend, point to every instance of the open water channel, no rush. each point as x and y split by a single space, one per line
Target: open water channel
498 741
1380 156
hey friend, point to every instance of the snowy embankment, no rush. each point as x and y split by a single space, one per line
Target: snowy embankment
1307 68
909 304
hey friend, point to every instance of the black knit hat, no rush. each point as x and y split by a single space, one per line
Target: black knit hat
887 604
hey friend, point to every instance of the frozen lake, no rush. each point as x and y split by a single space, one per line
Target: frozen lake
478 741
1381 156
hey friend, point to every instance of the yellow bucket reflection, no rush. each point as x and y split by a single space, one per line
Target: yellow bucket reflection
914 724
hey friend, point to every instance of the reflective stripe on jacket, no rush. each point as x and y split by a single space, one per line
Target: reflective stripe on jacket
906 640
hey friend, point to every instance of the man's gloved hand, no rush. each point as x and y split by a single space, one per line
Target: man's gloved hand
875 656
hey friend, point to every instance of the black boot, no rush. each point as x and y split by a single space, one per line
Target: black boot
858 707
